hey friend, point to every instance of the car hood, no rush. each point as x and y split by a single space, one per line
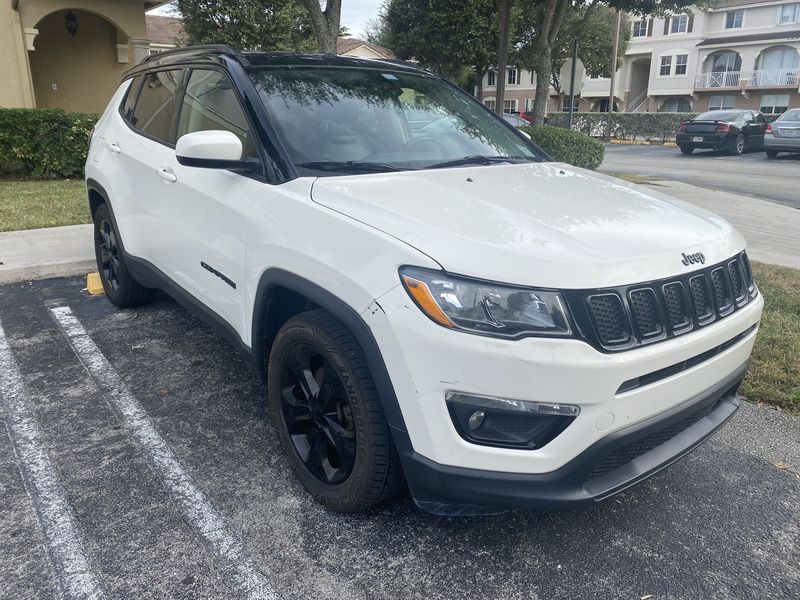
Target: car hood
545 224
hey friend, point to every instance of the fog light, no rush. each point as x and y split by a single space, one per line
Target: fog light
507 423
476 419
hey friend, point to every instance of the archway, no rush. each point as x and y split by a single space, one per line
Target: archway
77 72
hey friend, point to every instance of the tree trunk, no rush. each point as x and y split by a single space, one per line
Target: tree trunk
542 68
325 22
480 73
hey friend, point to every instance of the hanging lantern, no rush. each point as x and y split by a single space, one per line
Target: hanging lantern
71 23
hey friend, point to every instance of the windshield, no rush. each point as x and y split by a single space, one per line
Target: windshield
719 115
790 115
353 120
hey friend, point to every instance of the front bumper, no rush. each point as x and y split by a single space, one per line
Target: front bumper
609 466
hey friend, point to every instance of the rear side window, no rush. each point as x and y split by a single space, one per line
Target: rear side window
211 102
130 96
154 114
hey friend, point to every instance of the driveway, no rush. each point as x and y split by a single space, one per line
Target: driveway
751 174
140 462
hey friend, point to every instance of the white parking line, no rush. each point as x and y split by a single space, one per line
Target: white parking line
71 568
236 565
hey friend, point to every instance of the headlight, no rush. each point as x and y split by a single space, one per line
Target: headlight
486 307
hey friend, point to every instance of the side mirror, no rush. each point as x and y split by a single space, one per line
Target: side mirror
213 149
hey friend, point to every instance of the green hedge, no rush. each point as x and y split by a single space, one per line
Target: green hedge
44 142
568 146
655 126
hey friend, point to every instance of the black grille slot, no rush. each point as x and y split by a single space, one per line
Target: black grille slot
737 280
646 314
622 456
701 297
675 301
748 274
609 318
722 292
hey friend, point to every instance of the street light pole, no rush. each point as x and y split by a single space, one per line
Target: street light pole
502 55
613 75
572 78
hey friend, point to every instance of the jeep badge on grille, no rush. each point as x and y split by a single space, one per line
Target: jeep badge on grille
691 259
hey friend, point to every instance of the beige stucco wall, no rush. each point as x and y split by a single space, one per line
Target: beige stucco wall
15 90
83 70
127 15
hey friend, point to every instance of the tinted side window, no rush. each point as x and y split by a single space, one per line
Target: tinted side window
211 102
130 96
155 110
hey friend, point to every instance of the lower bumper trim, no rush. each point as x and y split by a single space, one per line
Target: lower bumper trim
608 467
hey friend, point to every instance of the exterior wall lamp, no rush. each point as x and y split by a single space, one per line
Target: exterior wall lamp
71 23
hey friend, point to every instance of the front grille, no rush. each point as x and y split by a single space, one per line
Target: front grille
625 454
621 318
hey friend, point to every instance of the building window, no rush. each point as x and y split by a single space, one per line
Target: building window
666 66
640 28
490 104
565 104
789 13
721 102
734 19
509 106
774 104
491 78
676 105
681 60
680 24
512 77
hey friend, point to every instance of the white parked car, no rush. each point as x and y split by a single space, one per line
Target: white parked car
433 300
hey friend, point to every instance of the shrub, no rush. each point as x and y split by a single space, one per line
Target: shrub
44 142
567 146
656 126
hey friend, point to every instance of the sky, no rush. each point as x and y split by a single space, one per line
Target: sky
355 13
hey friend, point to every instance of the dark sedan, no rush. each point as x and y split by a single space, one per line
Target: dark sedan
731 130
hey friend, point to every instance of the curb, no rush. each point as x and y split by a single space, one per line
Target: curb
644 143
25 274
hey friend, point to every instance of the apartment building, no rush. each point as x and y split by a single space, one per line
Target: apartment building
738 54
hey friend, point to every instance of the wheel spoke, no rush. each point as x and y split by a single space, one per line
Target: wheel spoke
341 440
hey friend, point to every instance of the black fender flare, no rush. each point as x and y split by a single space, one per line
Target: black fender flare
346 315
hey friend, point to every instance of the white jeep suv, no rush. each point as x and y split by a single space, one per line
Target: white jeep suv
433 300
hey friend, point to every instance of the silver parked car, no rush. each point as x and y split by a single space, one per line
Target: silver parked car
783 134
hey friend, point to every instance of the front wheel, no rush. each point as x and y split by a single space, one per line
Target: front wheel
120 288
737 149
772 154
325 406
685 149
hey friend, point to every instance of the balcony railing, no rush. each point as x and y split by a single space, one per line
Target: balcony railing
739 79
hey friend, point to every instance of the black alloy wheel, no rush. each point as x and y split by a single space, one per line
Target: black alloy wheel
317 414
738 145
109 254
325 406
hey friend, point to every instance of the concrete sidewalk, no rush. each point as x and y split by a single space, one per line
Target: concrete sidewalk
43 253
772 232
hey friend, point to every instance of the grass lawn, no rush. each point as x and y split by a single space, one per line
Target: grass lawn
774 375
32 204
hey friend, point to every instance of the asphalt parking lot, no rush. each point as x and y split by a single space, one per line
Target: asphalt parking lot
140 462
752 174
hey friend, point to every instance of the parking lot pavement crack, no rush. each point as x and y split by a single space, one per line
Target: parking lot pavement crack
228 550
71 568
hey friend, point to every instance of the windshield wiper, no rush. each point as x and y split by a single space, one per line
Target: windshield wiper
349 165
479 160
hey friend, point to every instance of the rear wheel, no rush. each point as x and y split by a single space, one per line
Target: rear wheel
325 406
738 145
686 149
119 286
772 154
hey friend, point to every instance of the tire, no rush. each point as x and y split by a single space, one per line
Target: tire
738 146
120 288
325 406
772 154
686 149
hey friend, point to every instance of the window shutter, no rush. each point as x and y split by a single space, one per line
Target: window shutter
650 27
691 23
666 25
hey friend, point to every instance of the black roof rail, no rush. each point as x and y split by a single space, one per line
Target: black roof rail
201 49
